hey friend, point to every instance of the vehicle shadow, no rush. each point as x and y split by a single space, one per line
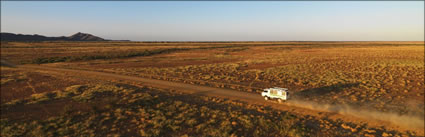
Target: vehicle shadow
6 64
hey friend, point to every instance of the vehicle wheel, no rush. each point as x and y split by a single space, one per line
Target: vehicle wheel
279 100
266 98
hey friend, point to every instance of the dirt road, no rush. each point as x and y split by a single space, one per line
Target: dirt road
229 94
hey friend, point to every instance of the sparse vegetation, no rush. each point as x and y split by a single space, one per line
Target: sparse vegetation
105 56
152 112
381 76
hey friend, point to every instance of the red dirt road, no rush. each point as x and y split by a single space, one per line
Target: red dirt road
251 98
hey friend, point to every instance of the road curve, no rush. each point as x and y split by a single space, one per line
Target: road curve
251 98
188 88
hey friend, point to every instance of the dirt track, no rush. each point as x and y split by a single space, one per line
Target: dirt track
224 93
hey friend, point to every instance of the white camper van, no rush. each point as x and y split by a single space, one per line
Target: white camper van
281 94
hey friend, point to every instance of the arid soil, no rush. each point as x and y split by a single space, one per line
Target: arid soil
338 88
303 108
55 106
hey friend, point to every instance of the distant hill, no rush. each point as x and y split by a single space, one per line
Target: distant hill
76 37
84 37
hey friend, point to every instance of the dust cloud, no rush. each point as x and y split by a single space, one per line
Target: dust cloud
408 121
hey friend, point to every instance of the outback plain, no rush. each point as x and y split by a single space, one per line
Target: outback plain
211 88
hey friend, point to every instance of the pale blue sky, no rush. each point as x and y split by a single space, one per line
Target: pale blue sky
219 20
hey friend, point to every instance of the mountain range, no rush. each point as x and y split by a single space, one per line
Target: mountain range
76 37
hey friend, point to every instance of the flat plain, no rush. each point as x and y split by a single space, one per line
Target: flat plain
337 88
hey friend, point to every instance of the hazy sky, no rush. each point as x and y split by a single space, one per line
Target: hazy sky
219 20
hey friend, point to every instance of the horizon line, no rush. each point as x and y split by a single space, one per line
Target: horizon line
106 40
